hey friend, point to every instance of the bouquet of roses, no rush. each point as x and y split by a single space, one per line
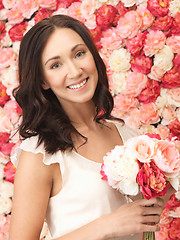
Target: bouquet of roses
170 219
144 163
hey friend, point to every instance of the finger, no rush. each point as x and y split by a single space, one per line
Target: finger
152 219
151 228
152 210
153 201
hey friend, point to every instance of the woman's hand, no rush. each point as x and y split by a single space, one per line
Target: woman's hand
139 216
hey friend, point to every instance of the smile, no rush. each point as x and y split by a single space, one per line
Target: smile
77 86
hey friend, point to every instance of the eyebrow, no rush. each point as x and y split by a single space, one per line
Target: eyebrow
58 57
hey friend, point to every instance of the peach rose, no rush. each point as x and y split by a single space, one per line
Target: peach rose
146 15
133 120
149 113
167 158
174 94
156 73
174 43
155 40
129 24
49 4
125 102
135 83
75 11
163 131
7 57
141 148
5 124
28 7
168 114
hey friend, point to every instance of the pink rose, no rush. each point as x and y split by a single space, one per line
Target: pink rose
133 120
4 226
174 127
3 95
151 180
176 60
150 92
17 31
167 158
49 4
141 64
149 113
125 102
171 78
129 24
168 113
65 3
173 203
135 82
41 14
28 7
2 30
7 56
110 39
147 17
12 110
174 43
9 172
153 135
136 44
174 229
15 16
159 8
74 10
6 148
102 172
155 40
162 23
105 16
1 4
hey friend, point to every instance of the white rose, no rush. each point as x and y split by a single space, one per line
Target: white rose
5 205
6 189
128 3
163 59
119 60
119 82
174 7
162 100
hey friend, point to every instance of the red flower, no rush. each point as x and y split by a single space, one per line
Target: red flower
176 60
9 172
174 230
41 14
1 5
159 8
3 95
4 137
2 30
174 127
105 16
141 64
162 23
17 31
136 44
96 34
171 78
151 180
104 177
172 203
176 24
6 148
151 92
153 135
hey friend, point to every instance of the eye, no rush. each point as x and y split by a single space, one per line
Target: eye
80 53
56 65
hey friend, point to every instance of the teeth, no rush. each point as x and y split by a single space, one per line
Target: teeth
78 85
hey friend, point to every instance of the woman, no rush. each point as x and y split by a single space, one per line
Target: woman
67 129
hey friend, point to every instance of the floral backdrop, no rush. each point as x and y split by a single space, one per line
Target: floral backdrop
139 41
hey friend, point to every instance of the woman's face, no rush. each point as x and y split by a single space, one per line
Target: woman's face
69 67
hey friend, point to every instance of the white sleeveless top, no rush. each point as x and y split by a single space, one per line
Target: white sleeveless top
84 195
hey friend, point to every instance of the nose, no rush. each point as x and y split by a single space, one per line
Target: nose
73 70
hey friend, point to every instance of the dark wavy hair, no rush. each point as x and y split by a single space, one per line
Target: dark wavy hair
43 114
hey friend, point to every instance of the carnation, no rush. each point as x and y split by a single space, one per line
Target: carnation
119 60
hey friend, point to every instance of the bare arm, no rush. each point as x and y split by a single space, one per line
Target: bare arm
33 183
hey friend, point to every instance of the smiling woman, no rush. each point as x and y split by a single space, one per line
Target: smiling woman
67 128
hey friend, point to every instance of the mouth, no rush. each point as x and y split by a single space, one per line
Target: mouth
79 85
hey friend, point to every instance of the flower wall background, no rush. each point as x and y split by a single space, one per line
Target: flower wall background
139 41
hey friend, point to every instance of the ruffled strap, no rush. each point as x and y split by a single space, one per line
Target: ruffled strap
30 145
